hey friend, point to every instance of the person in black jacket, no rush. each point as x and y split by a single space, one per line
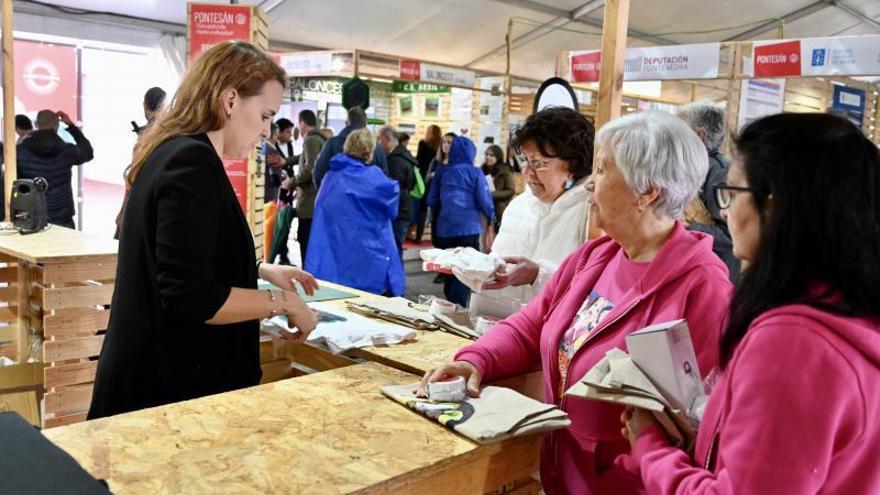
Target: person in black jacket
44 154
707 121
400 168
185 309
425 154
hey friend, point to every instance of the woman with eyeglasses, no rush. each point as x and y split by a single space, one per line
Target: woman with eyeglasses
648 269
796 408
549 220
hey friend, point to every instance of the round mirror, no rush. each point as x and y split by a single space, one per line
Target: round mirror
555 92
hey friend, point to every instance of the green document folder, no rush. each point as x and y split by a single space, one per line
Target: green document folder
322 294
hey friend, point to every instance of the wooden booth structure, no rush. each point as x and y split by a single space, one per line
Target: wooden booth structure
205 24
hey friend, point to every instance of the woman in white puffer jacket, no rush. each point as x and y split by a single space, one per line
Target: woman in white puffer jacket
546 223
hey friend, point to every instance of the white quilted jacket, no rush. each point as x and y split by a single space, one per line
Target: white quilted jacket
544 233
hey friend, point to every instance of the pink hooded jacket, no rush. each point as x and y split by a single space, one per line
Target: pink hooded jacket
796 412
685 280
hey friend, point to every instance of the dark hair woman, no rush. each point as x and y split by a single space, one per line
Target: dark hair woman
502 180
546 223
186 306
426 153
796 408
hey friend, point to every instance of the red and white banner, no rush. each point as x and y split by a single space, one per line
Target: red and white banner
46 78
412 70
212 24
777 59
653 63
848 55
237 171
585 66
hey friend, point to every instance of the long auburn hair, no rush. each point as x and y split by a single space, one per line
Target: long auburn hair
198 104
820 230
433 137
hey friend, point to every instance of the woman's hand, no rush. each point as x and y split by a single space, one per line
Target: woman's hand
523 272
445 371
635 420
299 316
285 277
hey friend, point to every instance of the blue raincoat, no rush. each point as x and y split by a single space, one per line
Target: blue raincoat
461 193
351 241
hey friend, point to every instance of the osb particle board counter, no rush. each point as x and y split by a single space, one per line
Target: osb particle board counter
58 283
429 348
330 432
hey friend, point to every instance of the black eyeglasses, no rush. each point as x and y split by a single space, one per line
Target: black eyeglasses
724 194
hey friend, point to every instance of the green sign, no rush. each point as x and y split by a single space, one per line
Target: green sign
414 87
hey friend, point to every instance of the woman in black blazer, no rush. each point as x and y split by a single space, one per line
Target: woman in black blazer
184 315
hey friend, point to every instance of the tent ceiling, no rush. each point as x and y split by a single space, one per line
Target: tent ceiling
463 31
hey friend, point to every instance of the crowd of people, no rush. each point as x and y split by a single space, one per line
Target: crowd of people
773 258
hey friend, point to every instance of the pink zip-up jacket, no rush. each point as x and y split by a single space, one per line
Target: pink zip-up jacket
796 412
685 280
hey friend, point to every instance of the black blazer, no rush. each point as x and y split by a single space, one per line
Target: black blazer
184 244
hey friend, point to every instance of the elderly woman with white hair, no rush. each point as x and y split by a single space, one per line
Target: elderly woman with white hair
647 269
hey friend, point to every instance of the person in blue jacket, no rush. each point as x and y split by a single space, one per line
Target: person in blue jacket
462 190
352 241
356 119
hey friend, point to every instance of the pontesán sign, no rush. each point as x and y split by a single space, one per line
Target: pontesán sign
653 63
848 55
412 70
211 24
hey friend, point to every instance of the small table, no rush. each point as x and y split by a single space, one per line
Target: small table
58 285
330 432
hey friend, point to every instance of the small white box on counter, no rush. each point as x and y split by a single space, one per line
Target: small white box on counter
665 353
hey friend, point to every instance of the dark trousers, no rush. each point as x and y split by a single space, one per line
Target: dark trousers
420 216
303 229
400 226
64 222
454 290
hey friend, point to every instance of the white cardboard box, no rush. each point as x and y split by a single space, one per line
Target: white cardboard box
665 353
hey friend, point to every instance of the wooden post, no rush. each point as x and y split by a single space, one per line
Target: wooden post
613 56
8 107
734 84
507 43
614 29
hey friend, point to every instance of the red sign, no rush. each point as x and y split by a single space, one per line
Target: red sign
235 165
211 24
778 59
585 66
410 70
239 185
46 78
236 170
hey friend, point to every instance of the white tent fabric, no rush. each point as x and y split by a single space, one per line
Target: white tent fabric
174 48
471 32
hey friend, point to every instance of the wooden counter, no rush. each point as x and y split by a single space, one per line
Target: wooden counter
53 307
429 349
330 432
